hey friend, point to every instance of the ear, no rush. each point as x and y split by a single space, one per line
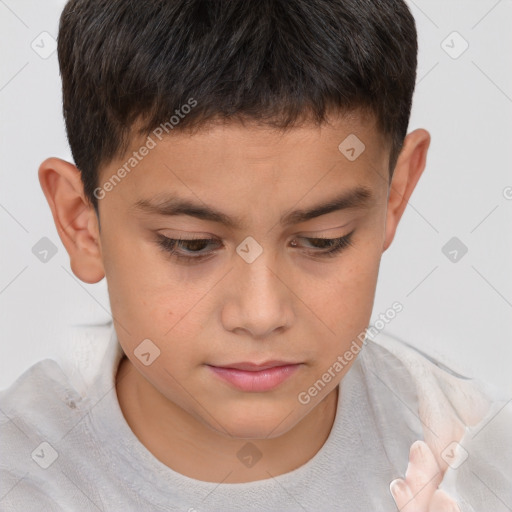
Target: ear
408 170
74 217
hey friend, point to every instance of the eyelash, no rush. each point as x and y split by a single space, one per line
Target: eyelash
169 246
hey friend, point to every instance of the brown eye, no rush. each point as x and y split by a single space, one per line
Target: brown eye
192 250
186 248
328 246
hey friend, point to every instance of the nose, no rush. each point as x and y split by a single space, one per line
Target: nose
259 300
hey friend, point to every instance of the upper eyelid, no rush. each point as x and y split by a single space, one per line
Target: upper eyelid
211 239
307 235
176 241
199 256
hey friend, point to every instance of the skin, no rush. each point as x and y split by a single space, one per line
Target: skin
418 491
288 304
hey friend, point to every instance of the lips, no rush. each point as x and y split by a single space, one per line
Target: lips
253 367
256 378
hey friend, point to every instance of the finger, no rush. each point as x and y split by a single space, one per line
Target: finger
402 495
452 430
423 475
442 502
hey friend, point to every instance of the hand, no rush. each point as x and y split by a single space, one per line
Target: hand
419 492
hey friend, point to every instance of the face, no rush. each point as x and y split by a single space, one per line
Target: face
254 282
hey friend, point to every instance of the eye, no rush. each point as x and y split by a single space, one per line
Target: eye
192 249
333 245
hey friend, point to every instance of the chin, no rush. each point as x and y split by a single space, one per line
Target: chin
254 423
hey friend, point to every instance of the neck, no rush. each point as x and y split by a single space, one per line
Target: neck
193 449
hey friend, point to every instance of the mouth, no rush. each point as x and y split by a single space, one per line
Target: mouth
255 367
256 378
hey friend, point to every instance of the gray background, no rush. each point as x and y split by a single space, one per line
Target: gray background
459 312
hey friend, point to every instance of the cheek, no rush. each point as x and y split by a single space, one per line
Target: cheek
344 300
139 306
150 300
138 278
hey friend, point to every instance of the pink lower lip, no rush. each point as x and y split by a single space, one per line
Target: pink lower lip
262 380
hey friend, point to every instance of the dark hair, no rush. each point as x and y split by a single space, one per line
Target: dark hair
135 63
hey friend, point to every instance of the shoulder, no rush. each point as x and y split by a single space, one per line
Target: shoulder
433 381
35 411
44 420
39 400
40 404
465 421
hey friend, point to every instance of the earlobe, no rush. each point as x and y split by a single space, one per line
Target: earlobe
408 170
74 217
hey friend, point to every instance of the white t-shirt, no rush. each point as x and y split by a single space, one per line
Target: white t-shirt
65 445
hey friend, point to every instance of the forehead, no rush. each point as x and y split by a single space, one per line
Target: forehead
233 162
259 140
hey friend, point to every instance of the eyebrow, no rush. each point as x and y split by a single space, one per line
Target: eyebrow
357 198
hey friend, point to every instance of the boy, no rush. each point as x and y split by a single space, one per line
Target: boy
240 169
